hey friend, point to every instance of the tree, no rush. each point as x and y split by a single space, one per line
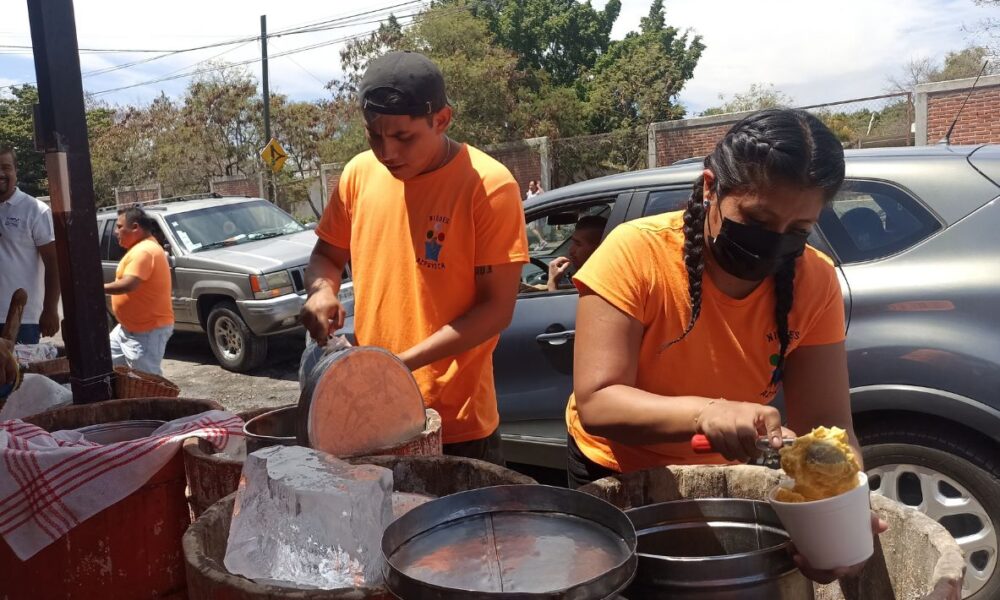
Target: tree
637 81
493 98
758 97
962 64
17 131
564 38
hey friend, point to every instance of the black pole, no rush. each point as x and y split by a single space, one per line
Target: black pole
267 91
61 132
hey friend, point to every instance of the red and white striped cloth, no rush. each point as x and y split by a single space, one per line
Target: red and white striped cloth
50 482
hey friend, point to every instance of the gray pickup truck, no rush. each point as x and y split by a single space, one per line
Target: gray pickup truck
237 267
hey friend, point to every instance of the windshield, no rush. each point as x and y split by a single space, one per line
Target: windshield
231 224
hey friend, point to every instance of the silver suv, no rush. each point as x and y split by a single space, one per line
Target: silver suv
237 267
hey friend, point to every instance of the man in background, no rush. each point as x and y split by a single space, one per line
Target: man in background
27 255
140 295
586 238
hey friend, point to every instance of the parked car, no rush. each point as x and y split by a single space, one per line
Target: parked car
237 267
914 235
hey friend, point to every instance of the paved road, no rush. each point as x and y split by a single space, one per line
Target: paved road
190 364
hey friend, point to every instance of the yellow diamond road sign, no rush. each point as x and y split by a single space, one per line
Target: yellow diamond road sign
274 155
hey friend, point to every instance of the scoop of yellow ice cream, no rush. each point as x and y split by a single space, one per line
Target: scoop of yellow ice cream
822 478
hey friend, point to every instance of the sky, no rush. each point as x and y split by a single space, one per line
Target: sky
814 51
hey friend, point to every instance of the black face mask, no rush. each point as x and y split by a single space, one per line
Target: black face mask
752 252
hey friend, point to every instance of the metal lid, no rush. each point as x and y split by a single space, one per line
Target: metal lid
512 541
357 400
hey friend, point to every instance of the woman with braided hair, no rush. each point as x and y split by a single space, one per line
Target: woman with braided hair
690 322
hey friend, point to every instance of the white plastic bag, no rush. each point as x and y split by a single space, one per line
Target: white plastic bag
37 394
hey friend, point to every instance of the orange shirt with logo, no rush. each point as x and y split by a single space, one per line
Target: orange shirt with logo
414 248
733 347
149 306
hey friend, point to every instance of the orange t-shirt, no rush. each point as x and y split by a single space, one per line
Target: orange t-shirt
414 248
728 354
149 306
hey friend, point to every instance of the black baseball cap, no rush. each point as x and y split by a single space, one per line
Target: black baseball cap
412 75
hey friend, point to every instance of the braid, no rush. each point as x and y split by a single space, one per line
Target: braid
784 284
694 253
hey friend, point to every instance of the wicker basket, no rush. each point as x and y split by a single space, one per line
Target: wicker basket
130 383
55 368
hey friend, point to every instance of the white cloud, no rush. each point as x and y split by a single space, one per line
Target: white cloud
814 51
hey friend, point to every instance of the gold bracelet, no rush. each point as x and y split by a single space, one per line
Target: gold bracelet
697 425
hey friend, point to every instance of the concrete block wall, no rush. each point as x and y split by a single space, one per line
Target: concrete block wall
937 104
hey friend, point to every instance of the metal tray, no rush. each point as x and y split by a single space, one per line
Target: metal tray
512 541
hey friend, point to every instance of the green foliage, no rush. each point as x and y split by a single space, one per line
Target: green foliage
17 130
758 97
962 64
563 38
637 81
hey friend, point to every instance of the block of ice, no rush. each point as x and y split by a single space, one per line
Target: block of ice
306 519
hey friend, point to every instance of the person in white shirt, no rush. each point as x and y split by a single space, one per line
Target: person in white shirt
27 255
533 190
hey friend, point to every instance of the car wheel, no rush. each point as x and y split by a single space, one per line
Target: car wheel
953 480
234 345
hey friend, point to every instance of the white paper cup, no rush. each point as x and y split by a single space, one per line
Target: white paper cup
833 532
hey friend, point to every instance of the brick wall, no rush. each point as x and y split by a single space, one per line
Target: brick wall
676 140
678 144
130 195
330 179
523 159
237 186
978 123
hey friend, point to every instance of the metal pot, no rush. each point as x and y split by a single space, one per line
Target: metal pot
718 549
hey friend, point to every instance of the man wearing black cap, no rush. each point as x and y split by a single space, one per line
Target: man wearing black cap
434 230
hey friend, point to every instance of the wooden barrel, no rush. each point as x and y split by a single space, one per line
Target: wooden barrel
211 476
129 550
205 541
923 561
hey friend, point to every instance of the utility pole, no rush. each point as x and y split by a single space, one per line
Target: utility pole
61 132
267 96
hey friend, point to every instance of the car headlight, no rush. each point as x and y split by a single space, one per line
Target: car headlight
271 285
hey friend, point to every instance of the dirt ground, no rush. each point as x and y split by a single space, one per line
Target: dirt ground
190 364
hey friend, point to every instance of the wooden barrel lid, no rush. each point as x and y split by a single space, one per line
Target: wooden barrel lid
359 399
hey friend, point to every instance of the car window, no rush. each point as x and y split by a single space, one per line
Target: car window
661 201
868 220
231 224
114 251
547 241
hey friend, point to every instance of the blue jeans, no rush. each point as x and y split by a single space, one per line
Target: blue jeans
28 334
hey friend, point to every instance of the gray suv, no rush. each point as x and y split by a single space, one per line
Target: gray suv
915 235
237 267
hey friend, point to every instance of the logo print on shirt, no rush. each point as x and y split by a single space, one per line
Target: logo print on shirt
433 243
12 222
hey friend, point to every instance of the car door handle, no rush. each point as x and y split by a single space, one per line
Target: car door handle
556 339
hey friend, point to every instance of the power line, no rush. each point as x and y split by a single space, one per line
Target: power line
249 61
318 26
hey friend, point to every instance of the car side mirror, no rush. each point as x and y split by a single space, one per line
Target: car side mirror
312 225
